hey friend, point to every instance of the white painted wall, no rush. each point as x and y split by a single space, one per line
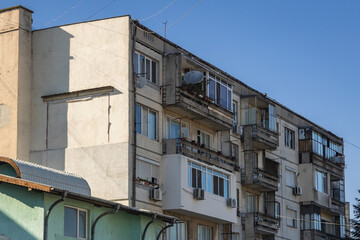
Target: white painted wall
178 196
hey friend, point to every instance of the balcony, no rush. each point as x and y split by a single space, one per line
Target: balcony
178 194
259 179
313 152
261 223
318 235
258 119
197 107
198 152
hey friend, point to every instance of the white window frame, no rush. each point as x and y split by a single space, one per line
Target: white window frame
228 86
170 119
180 234
152 165
292 171
325 186
142 132
254 200
289 137
207 175
198 135
137 71
205 227
78 219
294 220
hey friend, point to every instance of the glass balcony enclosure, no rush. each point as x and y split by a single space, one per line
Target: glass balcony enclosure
257 111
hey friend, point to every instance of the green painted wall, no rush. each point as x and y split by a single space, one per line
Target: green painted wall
21 212
22 217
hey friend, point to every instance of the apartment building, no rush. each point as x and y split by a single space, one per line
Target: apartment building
107 100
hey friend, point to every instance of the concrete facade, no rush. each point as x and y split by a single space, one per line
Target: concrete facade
249 149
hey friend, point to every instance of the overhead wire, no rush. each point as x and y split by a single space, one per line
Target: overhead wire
197 4
100 10
159 12
64 13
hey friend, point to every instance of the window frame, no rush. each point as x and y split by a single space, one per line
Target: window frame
205 227
207 177
77 222
254 203
218 83
142 123
144 74
317 181
198 138
170 119
291 171
289 138
294 220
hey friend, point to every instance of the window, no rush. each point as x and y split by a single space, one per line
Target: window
234 151
321 181
342 226
75 222
177 232
210 180
290 217
173 129
290 178
146 122
220 92
203 139
277 210
147 170
318 143
204 233
251 203
145 67
289 138
312 221
333 150
235 110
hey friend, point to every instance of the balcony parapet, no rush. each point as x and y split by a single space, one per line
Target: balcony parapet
261 180
262 223
193 150
197 107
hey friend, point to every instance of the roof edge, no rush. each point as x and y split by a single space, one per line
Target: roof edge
11 162
15 7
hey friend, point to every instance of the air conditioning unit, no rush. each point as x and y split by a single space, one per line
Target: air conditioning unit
156 194
237 129
199 194
231 202
297 191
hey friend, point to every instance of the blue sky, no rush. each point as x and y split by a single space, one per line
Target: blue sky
304 54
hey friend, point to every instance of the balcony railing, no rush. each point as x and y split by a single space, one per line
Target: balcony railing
199 152
263 223
197 107
262 180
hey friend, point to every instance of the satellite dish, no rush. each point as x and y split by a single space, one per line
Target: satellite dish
338 159
140 82
193 77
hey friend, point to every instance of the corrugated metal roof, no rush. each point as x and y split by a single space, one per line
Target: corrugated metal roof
48 176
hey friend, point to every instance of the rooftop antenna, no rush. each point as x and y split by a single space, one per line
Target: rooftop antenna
165 27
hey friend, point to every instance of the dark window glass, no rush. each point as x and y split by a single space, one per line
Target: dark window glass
154 72
138 119
142 66
193 177
148 69
70 222
221 186
216 185
212 89
82 224
135 60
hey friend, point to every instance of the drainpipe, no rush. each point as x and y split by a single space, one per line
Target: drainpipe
117 208
48 214
133 200
147 226
163 229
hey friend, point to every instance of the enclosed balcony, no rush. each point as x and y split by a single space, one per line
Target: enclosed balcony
208 102
321 149
258 118
194 150
261 223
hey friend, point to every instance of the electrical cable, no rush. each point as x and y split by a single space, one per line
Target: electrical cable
100 10
197 4
63 14
154 15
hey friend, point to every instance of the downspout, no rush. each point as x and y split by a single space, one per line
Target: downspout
117 208
133 199
147 226
163 229
48 214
